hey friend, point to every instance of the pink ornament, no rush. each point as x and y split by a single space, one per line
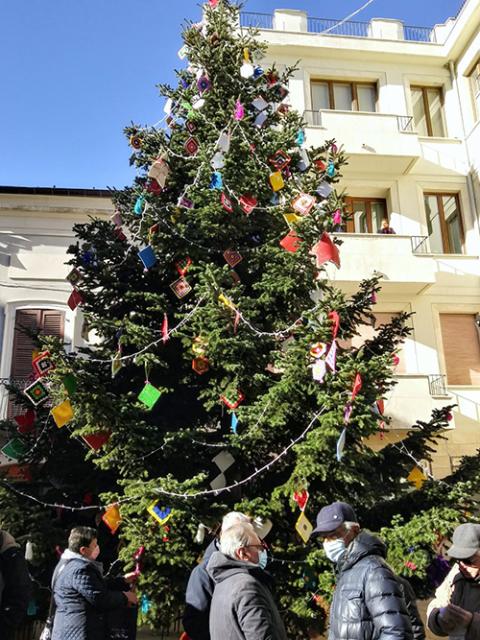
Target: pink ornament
334 149
410 565
213 3
396 360
239 112
373 298
337 217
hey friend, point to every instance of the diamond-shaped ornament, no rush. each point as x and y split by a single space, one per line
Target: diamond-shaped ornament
200 365
191 146
62 413
227 204
149 395
43 364
180 287
280 159
161 514
74 277
191 126
36 392
304 528
232 258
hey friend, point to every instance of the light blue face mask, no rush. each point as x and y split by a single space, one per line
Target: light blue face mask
334 549
262 558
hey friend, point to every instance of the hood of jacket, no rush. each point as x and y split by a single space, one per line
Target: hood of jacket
7 541
72 555
210 550
221 567
365 544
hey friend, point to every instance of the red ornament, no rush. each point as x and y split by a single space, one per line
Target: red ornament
75 299
248 203
301 498
226 203
280 159
118 233
96 440
191 146
396 360
232 258
152 186
320 165
326 251
165 328
25 422
200 365
357 385
335 318
233 404
291 242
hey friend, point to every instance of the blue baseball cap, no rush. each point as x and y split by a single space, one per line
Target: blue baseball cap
333 516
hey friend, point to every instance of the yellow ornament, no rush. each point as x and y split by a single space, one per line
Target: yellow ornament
277 181
62 413
304 528
416 477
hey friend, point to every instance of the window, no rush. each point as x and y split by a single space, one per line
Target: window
50 323
365 214
475 80
427 111
344 96
461 348
444 222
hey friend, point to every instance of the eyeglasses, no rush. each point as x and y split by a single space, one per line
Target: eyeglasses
333 535
260 546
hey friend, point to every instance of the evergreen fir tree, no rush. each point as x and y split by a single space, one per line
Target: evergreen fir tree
209 300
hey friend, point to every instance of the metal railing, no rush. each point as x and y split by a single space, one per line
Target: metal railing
256 20
419 34
313 118
420 245
331 27
405 124
437 384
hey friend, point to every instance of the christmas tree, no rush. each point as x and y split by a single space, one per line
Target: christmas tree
221 375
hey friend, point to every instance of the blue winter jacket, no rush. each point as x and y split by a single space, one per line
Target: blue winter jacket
82 599
199 597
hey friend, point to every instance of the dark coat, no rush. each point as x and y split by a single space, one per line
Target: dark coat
198 598
82 600
418 628
242 606
15 586
368 602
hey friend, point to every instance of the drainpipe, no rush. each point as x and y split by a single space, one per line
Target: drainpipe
2 326
471 191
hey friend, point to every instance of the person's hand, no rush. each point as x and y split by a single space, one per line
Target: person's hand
453 617
131 577
131 597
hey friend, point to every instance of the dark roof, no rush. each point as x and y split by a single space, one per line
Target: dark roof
54 191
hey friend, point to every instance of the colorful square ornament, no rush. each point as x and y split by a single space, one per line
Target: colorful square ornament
62 413
36 392
159 171
147 256
25 422
227 204
304 528
276 180
149 395
291 242
280 160
180 287
74 277
117 364
15 449
43 364
292 218
96 440
112 518
75 299
248 203
303 204
232 258
191 146
161 514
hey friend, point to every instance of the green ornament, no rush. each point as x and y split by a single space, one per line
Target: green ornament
14 449
70 384
149 395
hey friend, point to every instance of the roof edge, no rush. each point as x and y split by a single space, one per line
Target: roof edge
56 191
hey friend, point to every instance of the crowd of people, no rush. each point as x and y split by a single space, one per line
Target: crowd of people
230 593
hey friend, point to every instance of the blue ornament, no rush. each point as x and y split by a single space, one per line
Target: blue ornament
300 138
216 181
258 72
147 256
185 83
331 170
144 604
234 424
138 208
275 199
87 257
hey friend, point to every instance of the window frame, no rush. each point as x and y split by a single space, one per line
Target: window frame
443 223
474 77
353 91
349 202
426 107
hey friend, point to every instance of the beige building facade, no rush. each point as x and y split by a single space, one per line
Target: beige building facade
404 102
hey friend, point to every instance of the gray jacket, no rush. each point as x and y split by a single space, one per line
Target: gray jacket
368 602
242 606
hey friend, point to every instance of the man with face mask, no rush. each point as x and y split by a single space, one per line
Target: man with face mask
242 606
368 602
81 594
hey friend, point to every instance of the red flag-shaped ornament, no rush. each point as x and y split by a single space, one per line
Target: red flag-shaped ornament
165 328
25 422
335 318
326 251
357 385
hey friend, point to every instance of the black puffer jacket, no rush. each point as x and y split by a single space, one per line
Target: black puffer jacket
368 602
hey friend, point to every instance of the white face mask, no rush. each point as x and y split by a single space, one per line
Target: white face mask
262 559
334 549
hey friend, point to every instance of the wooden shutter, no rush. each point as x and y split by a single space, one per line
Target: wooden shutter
50 323
461 348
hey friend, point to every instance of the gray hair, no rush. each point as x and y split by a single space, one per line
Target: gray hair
232 518
235 537
351 525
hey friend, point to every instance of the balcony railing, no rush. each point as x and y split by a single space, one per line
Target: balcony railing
405 124
256 20
420 245
332 27
438 385
313 118
327 26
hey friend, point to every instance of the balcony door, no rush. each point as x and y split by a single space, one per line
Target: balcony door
444 222
365 214
428 111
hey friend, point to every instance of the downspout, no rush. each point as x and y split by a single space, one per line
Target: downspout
471 191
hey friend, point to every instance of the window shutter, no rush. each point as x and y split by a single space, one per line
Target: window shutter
461 348
50 322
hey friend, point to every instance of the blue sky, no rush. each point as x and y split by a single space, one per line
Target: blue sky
74 72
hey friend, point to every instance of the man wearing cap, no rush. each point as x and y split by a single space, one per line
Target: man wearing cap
455 610
368 602
201 585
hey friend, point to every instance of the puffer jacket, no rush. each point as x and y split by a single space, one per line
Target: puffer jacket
82 599
242 606
368 602
463 591
15 586
198 598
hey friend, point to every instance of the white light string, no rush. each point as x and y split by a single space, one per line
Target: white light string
351 15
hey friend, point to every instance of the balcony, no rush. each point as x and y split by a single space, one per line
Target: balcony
392 256
366 136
